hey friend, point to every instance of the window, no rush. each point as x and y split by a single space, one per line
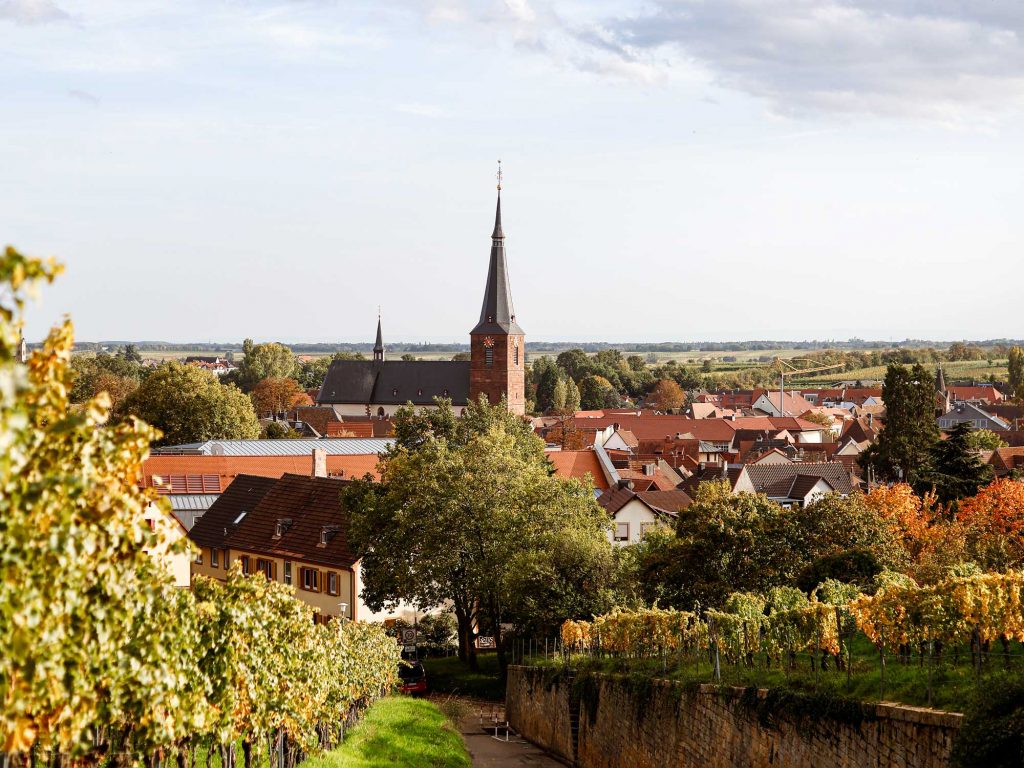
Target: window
622 531
283 524
516 353
267 568
214 554
332 583
394 392
245 564
419 393
287 571
199 557
380 413
310 579
489 357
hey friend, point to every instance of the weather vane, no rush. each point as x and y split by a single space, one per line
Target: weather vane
499 174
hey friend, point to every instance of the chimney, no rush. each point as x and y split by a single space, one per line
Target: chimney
725 469
871 418
319 462
703 465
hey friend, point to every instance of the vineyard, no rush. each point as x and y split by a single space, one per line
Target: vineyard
923 644
104 661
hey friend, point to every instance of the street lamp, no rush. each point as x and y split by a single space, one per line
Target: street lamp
342 611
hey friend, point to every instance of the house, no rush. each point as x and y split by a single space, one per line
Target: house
790 485
635 513
1005 461
790 404
984 394
970 413
291 530
495 370
217 365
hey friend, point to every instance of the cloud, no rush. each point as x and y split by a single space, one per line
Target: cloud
938 58
31 11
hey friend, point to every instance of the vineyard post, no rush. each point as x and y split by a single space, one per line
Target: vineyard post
931 644
881 676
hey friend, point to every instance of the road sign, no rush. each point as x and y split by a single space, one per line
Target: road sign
408 637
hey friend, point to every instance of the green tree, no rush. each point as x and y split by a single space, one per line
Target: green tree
130 353
558 397
1015 378
985 440
262 361
902 450
955 470
544 376
461 502
188 405
597 392
572 396
575 363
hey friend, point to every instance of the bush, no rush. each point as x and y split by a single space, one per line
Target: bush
992 732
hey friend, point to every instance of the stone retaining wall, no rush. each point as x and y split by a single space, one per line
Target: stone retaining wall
625 725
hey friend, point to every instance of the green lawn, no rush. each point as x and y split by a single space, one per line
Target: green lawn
398 731
449 675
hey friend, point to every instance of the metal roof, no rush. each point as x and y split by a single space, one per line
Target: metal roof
334 446
194 502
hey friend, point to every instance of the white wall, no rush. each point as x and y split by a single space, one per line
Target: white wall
636 515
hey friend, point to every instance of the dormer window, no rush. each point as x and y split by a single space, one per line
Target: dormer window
419 393
327 533
394 392
283 524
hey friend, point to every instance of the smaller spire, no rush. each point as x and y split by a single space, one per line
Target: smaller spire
940 381
378 347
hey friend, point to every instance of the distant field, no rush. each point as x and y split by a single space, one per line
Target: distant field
961 370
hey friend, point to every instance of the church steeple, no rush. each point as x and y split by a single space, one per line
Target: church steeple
497 346
497 315
378 347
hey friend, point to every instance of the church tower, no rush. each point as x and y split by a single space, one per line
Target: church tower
497 343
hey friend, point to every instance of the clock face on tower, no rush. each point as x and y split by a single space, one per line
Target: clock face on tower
488 342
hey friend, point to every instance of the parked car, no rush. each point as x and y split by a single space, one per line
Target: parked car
412 678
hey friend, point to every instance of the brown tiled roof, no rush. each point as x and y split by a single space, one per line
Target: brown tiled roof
987 393
670 501
768 478
242 495
317 417
313 504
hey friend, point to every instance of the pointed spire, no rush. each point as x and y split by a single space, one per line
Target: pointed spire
940 381
497 315
378 347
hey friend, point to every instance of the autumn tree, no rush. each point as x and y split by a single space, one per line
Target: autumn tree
993 520
985 440
278 395
189 404
667 396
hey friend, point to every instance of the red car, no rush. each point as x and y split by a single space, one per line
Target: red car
412 677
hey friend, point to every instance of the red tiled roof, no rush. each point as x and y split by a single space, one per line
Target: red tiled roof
578 464
227 468
988 393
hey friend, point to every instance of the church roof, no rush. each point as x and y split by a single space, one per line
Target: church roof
497 315
395 382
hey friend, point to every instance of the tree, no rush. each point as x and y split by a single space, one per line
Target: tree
188 404
460 503
408 357
575 363
130 353
667 396
985 440
596 392
821 419
993 521
264 361
558 396
114 374
955 470
903 448
278 395
544 376
572 397
1015 378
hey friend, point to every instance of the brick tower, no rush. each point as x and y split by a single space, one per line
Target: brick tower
497 343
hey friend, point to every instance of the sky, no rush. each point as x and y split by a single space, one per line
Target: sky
210 170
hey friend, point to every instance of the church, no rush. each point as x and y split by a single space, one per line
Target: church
496 366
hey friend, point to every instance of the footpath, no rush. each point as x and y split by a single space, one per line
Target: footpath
504 750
